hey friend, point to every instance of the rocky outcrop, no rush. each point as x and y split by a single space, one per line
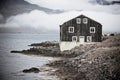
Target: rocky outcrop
98 61
45 48
31 70
50 48
46 44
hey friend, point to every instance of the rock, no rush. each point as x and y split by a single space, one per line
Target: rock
16 51
46 44
34 70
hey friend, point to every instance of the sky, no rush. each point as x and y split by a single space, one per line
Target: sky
73 4
107 15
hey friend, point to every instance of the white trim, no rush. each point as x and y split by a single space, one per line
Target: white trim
93 29
90 37
78 20
69 29
75 38
85 20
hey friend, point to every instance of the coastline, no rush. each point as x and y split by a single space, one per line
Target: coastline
98 61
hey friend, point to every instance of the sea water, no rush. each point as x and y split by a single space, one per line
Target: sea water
11 64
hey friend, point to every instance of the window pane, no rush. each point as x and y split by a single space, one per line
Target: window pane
92 29
71 29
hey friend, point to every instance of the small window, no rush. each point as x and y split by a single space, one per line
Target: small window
89 38
92 29
85 20
71 29
78 20
74 38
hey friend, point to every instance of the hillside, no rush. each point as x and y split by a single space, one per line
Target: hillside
98 61
105 2
13 7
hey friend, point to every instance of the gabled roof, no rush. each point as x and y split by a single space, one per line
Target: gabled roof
89 18
82 16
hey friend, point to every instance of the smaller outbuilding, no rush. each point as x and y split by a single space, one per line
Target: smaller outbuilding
79 30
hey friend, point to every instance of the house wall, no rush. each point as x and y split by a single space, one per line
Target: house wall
65 45
81 30
68 45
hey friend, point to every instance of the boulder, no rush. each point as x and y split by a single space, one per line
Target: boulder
31 70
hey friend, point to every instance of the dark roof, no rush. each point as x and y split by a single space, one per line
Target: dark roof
81 16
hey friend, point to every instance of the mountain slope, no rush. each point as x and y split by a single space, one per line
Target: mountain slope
105 2
13 7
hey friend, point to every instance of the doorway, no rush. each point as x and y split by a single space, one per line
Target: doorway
89 38
81 39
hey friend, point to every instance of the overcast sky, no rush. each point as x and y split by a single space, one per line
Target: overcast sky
107 15
73 4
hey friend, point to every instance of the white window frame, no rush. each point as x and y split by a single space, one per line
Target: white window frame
73 38
69 29
78 20
92 28
90 38
85 20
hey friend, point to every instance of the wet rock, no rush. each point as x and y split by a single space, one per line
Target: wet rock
31 70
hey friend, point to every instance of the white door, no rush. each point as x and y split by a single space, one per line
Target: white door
82 39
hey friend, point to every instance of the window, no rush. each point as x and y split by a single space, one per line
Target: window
85 20
78 20
71 29
74 38
92 29
89 38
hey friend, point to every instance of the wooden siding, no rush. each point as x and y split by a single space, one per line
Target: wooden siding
81 30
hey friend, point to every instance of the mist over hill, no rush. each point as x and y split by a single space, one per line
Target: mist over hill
105 2
45 16
10 8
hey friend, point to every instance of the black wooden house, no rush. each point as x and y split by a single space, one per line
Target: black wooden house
81 27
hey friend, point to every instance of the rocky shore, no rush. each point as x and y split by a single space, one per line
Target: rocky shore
51 49
98 61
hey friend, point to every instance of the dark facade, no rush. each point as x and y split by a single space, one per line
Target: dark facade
80 29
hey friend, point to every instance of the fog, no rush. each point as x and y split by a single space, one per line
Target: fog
38 20
77 5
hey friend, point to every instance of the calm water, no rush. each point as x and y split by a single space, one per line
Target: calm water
11 64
